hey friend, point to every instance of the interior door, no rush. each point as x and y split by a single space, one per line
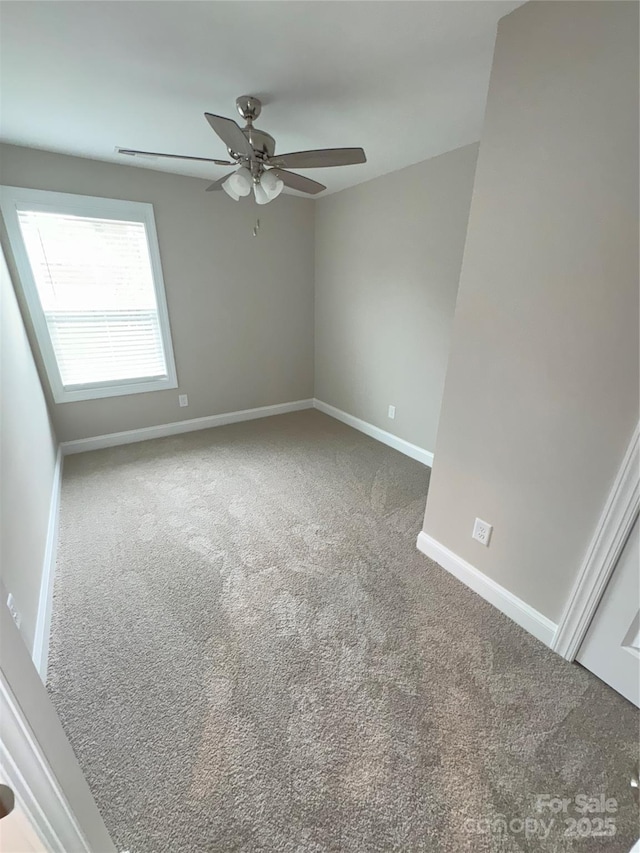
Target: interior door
611 648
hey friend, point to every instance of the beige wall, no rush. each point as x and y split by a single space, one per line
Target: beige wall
541 393
27 463
240 307
388 256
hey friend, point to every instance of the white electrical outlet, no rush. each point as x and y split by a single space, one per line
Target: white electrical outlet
13 610
392 412
482 531
183 400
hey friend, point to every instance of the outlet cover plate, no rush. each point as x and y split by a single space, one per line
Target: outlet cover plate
482 531
183 400
392 412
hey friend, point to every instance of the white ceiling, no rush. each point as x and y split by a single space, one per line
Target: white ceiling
405 80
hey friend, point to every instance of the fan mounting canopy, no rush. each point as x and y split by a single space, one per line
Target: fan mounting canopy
249 107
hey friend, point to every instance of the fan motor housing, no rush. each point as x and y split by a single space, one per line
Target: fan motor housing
263 144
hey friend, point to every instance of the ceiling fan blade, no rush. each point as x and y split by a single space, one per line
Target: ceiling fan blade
231 134
298 182
319 159
133 153
217 185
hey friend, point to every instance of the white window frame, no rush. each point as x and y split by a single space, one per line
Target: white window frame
13 199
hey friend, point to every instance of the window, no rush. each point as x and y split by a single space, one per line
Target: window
91 276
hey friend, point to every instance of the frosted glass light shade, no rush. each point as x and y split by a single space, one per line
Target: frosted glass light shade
260 194
228 188
271 184
241 181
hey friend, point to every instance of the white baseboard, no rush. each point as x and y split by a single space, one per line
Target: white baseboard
512 606
382 435
40 653
131 436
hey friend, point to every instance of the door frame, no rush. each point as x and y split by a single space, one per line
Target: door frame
618 516
36 791
38 759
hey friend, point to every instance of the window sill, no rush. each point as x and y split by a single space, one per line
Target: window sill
96 392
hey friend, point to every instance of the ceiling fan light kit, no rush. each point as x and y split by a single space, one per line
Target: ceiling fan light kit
253 150
266 186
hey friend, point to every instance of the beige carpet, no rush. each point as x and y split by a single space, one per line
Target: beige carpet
249 654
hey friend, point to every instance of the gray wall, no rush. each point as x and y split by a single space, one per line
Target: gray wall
28 450
541 393
241 308
388 256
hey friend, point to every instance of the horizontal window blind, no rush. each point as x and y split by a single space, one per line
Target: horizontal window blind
95 284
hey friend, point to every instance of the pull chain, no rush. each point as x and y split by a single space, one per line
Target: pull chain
256 228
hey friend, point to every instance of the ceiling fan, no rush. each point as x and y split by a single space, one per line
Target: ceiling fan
253 150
